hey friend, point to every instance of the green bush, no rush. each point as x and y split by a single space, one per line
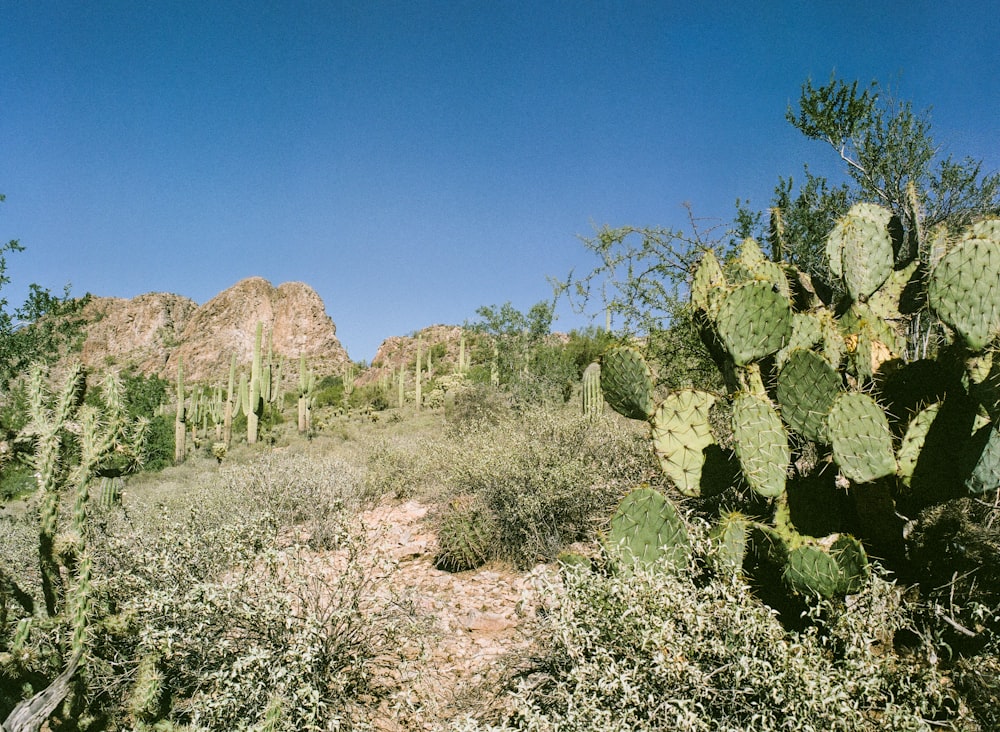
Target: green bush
158 448
654 650
549 478
211 608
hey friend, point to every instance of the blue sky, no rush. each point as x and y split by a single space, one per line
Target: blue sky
413 161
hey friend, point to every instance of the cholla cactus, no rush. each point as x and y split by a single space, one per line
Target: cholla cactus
832 379
75 447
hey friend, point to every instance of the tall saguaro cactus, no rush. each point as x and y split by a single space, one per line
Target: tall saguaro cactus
253 407
307 382
231 405
180 426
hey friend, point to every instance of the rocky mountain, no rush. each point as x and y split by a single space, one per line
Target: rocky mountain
155 331
441 341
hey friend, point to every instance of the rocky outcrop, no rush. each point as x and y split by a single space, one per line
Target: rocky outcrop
142 331
292 313
442 341
154 331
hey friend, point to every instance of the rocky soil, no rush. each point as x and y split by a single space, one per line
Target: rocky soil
479 621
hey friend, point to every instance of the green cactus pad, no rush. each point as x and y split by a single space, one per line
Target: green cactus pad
860 437
852 562
807 388
707 284
729 538
810 570
681 433
761 444
627 382
985 477
964 291
754 321
985 229
912 444
860 249
753 265
807 331
768 544
647 528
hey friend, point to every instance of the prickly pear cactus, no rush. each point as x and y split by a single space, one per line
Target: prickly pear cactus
754 321
963 288
761 444
824 392
859 434
647 528
627 382
681 432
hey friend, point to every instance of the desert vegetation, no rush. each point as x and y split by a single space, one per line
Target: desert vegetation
764 496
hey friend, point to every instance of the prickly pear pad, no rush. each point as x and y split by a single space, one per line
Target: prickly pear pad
707 284
681 432
647 528
964 291
754 321
913 441
811 571
859 434
985 476
761 444
807 388
627 383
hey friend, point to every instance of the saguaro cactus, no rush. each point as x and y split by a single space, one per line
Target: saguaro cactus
254 405
307 381
593 399
180 426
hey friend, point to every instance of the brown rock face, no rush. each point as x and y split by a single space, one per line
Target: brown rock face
292 313
142 331
398 352
155 331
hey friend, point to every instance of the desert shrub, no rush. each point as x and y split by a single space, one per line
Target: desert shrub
402 467
549 478
473 407
158 447
213 609
654 650
307 645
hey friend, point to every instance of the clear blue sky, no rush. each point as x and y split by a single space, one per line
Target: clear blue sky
412 161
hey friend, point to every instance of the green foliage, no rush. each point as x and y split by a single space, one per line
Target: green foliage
549 480
889 158
517 353
656 650
40 329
